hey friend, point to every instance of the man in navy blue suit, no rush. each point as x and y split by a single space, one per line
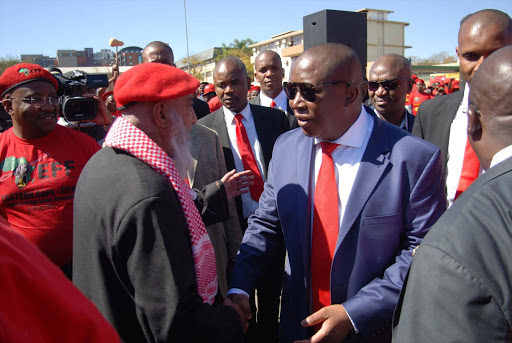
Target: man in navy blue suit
386 188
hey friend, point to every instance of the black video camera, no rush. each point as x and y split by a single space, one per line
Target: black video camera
72 86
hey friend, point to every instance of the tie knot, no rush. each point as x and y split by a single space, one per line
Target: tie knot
328 147
238 118
273 104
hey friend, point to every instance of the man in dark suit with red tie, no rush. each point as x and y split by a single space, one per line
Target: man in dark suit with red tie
350 196
443 120
248 133
269 72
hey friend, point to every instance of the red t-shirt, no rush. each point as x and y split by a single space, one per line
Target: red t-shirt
214 104
37 184
39 304
415 100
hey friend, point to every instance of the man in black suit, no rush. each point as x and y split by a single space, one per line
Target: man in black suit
442 121
388 84
269 72
458 288
262 126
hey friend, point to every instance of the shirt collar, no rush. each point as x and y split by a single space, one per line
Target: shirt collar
230 116
279 99
404 125
501 156
354 137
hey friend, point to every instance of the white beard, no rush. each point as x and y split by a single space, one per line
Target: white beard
179 146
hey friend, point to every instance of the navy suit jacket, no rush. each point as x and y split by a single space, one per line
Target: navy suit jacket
398 194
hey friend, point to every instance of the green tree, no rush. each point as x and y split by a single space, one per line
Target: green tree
240 49
196 67
436 58
8 61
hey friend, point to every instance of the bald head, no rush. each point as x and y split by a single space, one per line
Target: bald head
490 124
269 72
158 52
231 83
335 73
389 101
480 34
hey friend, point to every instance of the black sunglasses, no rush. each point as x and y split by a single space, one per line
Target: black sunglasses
389 85
307 90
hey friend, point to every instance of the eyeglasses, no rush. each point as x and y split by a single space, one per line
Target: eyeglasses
307 90
472 108
41 101
389 85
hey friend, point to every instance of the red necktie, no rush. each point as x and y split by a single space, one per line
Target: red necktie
470 169
245 150
325 228
273 104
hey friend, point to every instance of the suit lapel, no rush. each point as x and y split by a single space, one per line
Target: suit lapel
195 150
303 167
219 125
373 164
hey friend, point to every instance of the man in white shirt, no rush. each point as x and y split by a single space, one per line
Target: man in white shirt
458 287
443 121
248 133
269 72
350 196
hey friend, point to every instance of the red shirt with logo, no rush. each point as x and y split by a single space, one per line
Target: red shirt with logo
415 100
37 185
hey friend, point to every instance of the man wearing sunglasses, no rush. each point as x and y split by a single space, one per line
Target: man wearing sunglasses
389 82
41 162
351 196
458 288
443 121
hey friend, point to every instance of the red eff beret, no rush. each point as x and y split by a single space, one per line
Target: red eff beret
22 73
420 81
106 95
153 82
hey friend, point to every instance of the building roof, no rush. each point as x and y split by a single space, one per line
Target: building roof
201 56
277 37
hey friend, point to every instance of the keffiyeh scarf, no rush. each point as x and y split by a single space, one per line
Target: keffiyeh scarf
124 136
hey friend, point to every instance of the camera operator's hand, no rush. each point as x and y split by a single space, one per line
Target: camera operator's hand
104 117
115 73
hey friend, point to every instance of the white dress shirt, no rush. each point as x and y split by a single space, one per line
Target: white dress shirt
456 147
281 100
347 158
249 206
501 156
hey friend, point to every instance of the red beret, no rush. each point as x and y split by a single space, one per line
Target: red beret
420 81
153 82
414 77
208 89
22 73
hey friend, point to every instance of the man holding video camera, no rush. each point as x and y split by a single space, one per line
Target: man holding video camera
40 162
80 103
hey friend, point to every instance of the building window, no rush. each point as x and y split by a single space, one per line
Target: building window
129 56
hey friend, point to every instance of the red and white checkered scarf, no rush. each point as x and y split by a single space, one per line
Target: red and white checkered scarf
123 135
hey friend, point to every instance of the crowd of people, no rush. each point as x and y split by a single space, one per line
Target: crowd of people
288 212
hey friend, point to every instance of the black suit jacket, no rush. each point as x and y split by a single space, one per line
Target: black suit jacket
289 112
200 108
270 123
434 118
458 288
132 255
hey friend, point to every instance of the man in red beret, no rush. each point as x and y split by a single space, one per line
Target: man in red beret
141 250
41 162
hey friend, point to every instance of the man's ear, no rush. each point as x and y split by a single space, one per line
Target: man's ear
474 126
409 86
353 91
7 104
160 110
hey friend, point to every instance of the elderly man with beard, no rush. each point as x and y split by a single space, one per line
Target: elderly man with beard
141 250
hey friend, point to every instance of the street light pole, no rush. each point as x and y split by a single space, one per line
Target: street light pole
186 35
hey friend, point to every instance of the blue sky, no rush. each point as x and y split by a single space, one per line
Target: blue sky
34 26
